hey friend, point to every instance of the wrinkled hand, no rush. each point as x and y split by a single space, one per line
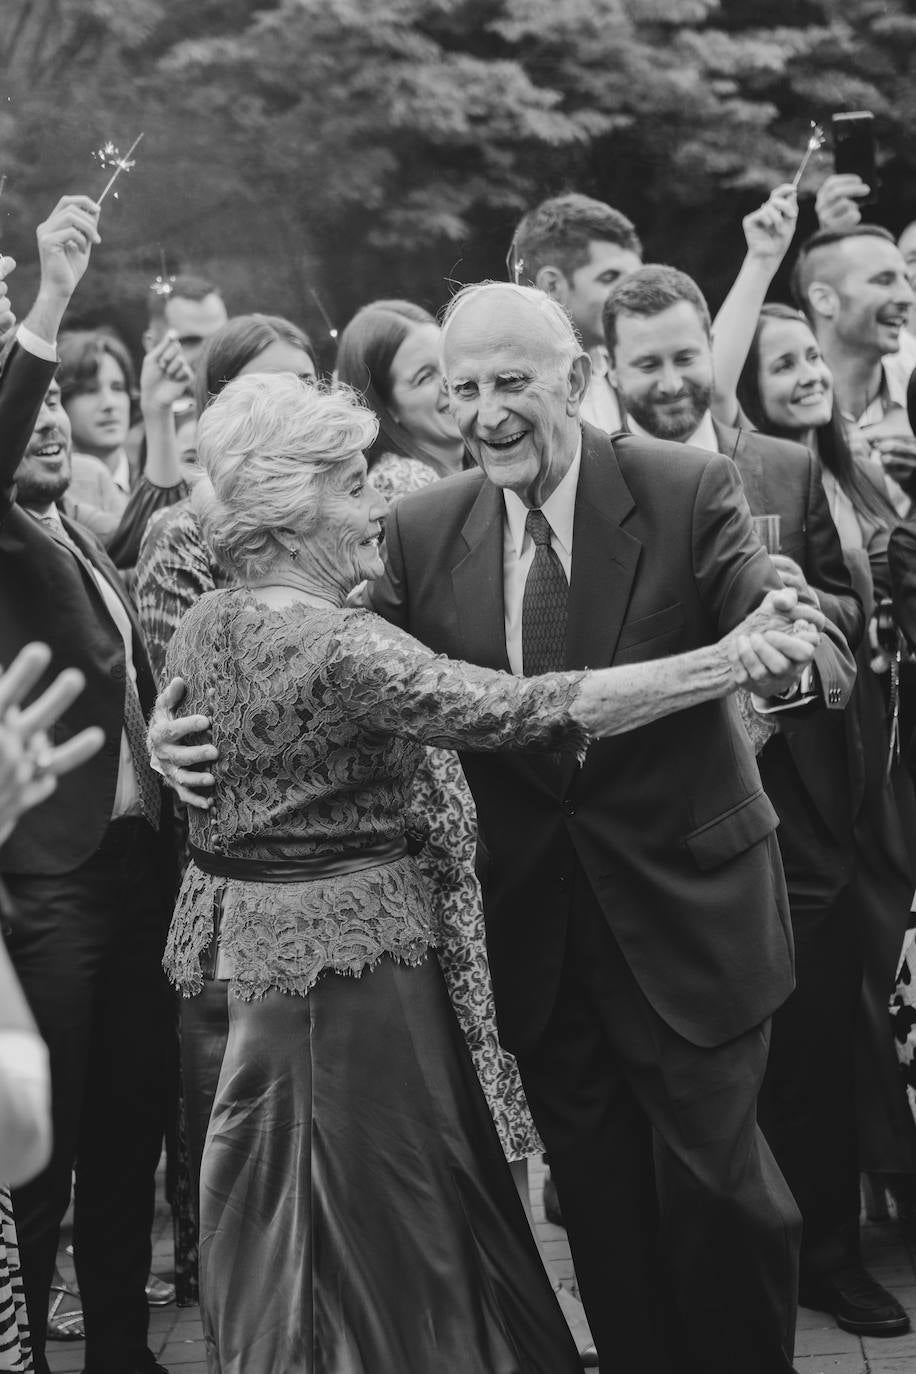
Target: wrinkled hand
7 318
792 576
897 455
771 647
175 760
164 376
29 764
836 201
769 230
65 241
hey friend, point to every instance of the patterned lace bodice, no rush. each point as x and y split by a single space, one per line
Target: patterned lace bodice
320 716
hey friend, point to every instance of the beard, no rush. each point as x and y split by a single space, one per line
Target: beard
658 421
37 490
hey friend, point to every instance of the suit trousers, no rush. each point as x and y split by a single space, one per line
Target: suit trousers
807 1106
683 1232
87 946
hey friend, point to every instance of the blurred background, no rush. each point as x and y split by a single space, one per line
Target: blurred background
309 155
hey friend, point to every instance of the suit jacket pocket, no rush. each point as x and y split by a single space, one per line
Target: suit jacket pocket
653 626
733 832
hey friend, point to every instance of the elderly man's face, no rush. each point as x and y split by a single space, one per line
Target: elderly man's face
513 393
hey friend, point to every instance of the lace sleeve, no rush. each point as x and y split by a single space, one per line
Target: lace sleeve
390 682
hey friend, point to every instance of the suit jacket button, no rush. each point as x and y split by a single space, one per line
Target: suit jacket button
569 808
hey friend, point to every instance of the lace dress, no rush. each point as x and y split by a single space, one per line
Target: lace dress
442 806
357 1214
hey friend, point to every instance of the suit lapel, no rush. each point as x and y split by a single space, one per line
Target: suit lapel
605 556
93 556
477 582
732 443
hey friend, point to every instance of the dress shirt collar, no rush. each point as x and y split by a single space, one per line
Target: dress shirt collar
559 508
704 436
601 360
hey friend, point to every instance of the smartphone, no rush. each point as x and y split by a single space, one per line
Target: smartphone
854 148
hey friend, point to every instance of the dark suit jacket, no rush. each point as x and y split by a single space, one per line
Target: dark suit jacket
46 594
817 758
669 823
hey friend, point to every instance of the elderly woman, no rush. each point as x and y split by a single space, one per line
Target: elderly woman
357 1213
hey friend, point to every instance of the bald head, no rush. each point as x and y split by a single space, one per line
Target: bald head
516 376
521 304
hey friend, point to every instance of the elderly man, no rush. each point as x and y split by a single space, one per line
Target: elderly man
637 921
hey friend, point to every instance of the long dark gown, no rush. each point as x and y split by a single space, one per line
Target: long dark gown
357 1213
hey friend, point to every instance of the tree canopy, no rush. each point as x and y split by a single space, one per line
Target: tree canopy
320 153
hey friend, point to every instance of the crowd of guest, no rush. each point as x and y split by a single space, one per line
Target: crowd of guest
532 773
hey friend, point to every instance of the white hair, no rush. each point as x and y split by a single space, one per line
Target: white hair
569 345
267 443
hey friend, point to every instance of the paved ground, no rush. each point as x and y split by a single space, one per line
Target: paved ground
821 1348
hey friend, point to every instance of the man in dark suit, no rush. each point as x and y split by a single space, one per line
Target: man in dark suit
89 870
636 916
658 334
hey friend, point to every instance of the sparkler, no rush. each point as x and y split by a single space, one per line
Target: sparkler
324 314
109 156
815 141
163 284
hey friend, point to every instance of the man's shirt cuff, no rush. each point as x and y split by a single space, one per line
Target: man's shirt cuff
34 344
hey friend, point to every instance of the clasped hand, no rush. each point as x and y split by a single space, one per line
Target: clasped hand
770 649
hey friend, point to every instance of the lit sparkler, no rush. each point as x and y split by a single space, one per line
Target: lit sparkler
324 314
163 284
109 156
815 141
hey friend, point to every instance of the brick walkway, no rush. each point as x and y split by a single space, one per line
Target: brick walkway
821 1348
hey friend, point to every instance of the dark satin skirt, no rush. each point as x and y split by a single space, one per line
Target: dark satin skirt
357 1213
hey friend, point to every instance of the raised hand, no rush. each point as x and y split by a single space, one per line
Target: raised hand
175 760
7 318
164 376
772 646
836 201
65 242
769 230
29 764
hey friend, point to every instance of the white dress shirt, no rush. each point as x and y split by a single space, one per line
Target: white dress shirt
518 550
600 406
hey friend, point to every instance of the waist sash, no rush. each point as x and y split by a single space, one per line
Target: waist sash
302 870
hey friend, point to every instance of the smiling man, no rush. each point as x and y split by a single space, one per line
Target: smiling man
637 927
854 287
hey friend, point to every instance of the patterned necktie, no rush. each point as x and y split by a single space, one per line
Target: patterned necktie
135 730
544 604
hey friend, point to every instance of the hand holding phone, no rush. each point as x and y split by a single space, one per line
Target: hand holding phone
854 149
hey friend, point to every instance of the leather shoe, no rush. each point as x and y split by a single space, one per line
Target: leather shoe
856 1302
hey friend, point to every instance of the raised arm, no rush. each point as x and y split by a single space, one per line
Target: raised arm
65 242
768 232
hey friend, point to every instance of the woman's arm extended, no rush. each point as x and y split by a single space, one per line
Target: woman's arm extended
769 232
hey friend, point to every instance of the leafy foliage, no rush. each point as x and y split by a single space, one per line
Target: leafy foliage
360 148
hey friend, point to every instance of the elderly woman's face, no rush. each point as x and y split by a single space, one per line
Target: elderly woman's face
345 543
